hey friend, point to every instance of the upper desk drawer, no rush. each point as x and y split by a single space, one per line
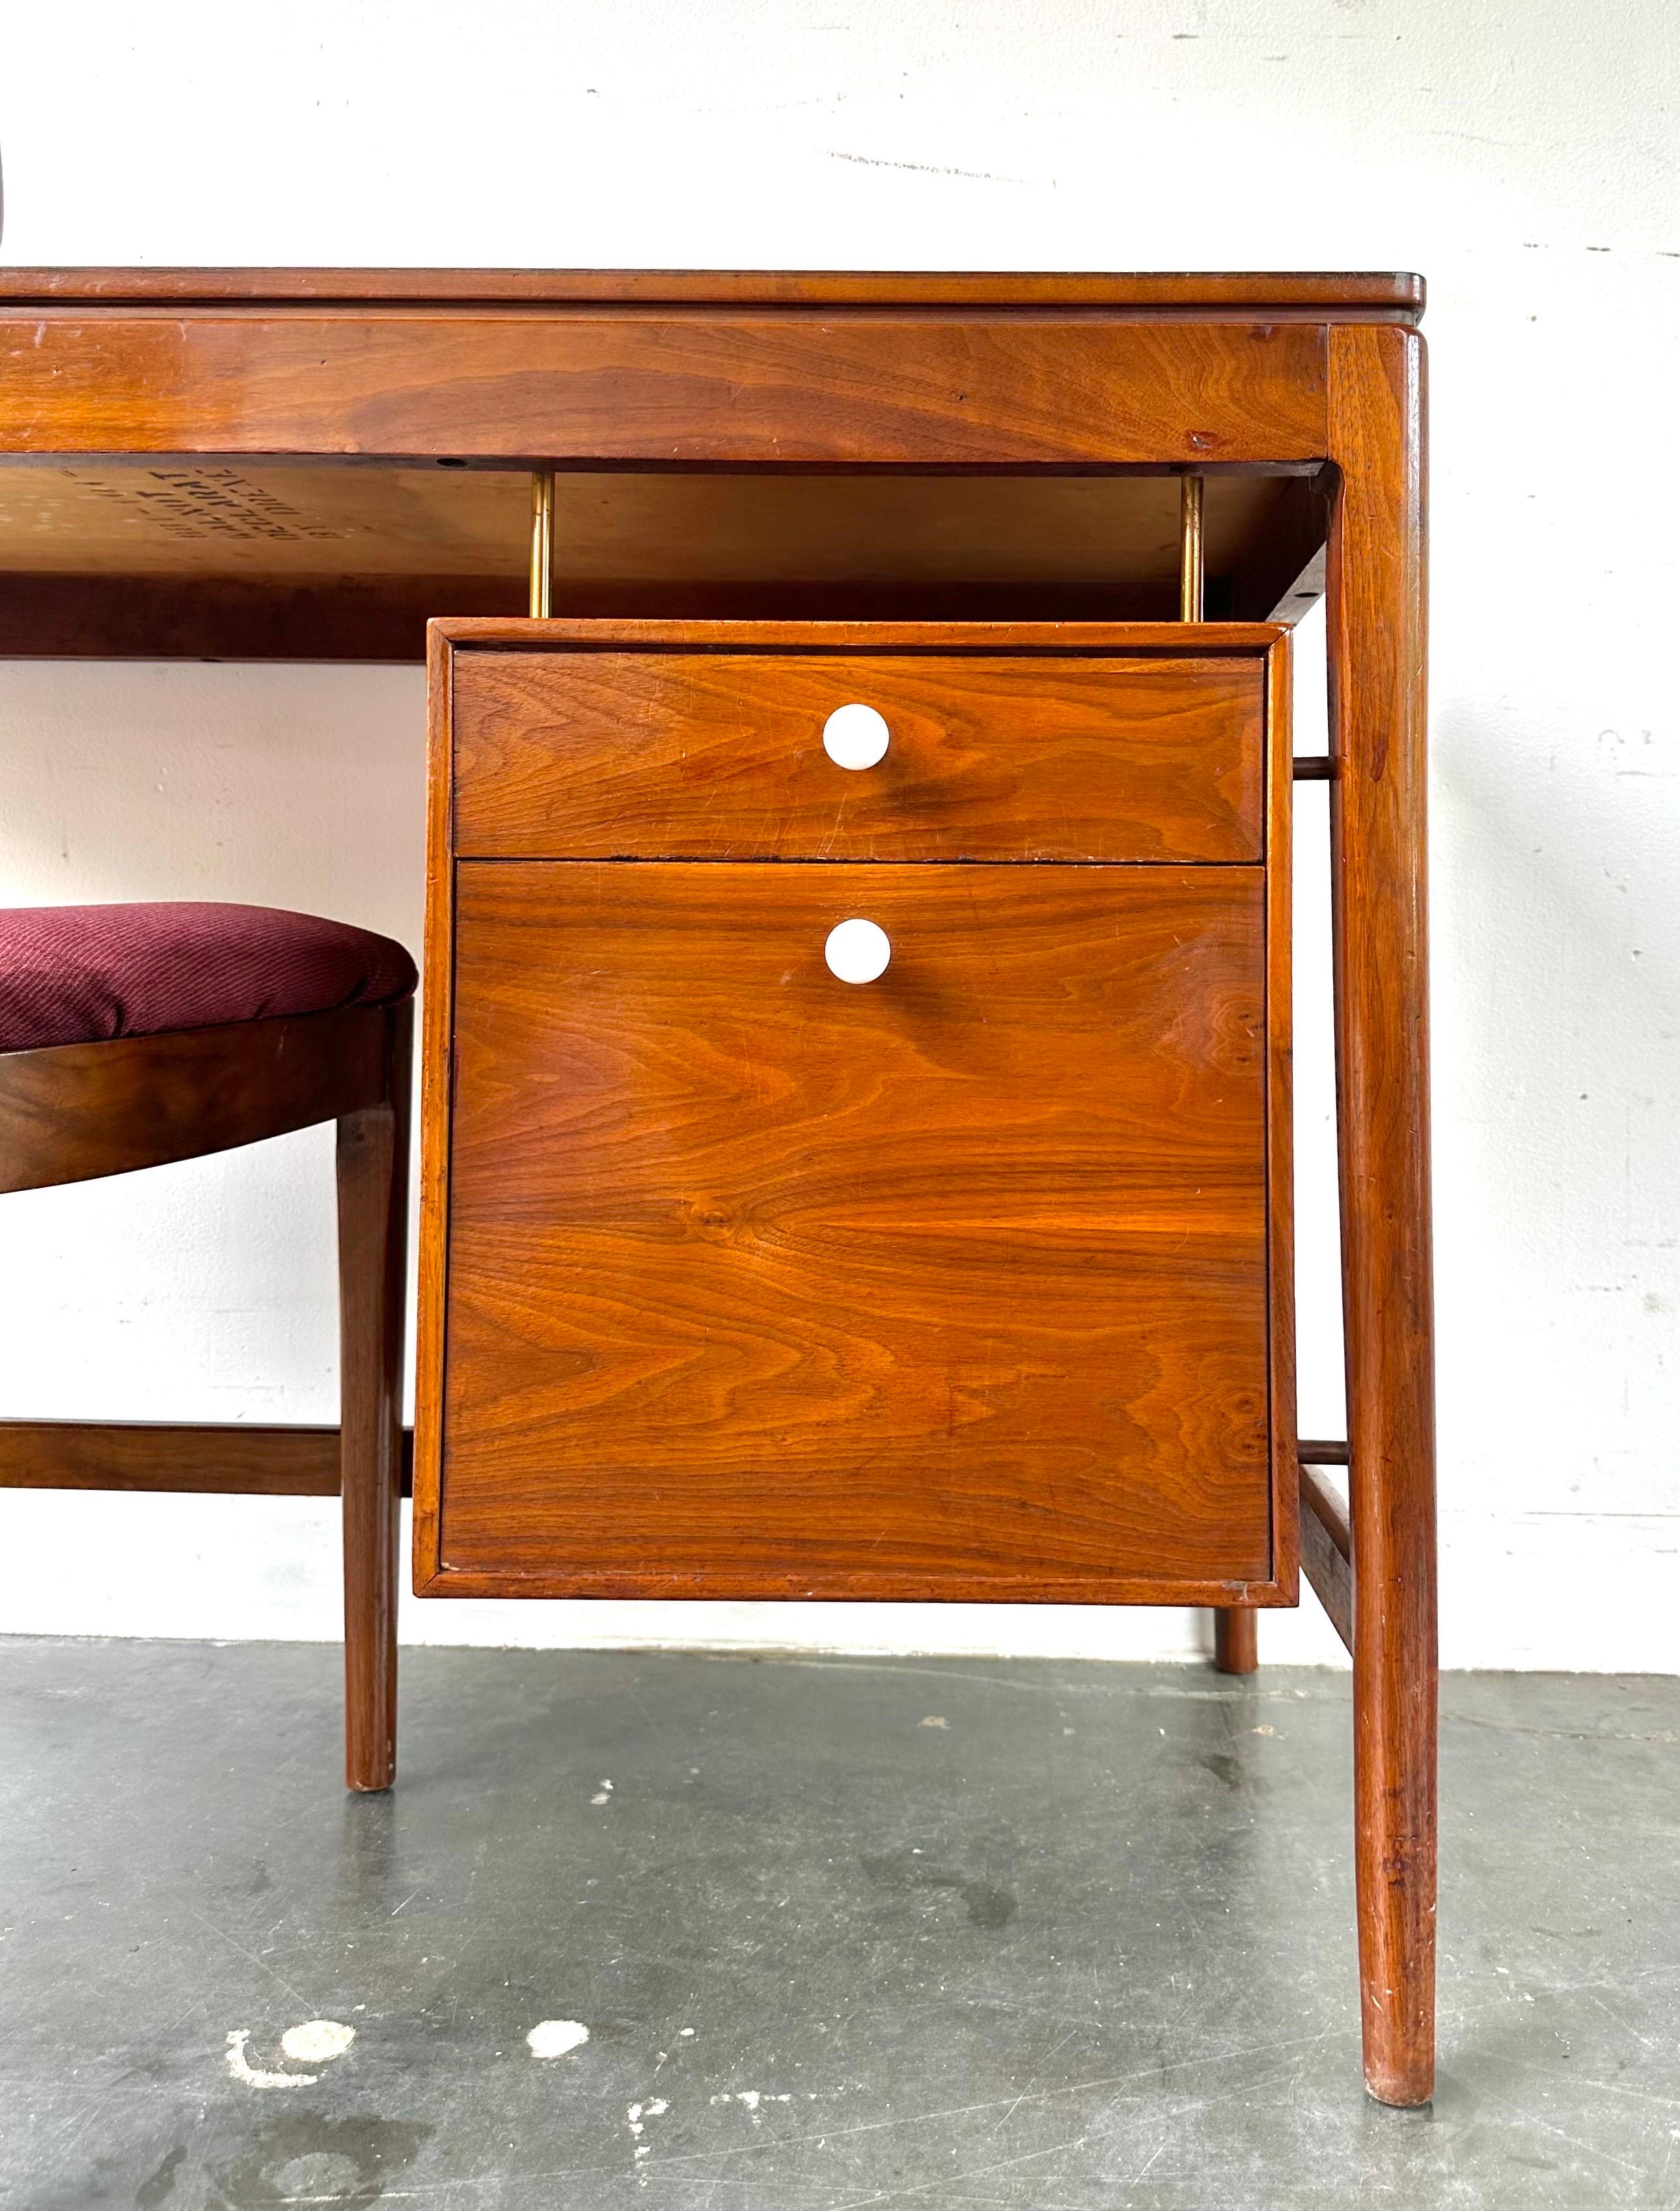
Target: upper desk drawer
989 755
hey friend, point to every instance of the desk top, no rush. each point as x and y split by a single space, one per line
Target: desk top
307 464
1392 297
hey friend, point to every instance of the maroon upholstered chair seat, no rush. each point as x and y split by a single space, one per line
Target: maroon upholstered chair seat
133 1036
80 974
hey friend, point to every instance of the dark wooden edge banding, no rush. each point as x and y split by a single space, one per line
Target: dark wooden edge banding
1353 295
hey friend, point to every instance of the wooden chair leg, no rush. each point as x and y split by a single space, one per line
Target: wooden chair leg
1376 625
1236 1639
372 1238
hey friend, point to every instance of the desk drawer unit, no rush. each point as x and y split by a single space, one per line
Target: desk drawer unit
967 1279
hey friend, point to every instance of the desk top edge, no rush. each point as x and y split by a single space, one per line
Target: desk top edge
1392 296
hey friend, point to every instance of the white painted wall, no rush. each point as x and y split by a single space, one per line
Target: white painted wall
1522 154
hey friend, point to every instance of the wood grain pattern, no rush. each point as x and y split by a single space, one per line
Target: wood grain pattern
953 1282
1378 813
158 618
1332 1581
1280 1111
1327 1550
69 1113
717 756
734 387
311 524
1235 1637
1279 571
749 370
437 1088
372 1184
1235 1641
1319 1501
70 617
1316 294
290 523
341 559
216 1459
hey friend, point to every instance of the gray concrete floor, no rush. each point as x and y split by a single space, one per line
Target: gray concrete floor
917 1935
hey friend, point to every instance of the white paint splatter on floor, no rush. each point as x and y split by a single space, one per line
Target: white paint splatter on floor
751 2099
935 1719
253 2075
557 2037
317 2042
637 2117
603 1794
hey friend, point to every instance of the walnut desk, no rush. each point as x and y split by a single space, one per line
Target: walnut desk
857 1113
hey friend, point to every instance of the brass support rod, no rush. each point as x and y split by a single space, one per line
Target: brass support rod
542 542
1190 548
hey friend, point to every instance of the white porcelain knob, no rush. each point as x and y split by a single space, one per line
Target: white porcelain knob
856 736
857 951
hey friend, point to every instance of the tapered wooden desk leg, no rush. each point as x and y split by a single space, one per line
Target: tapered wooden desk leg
1377 639
372 1234
1235 1639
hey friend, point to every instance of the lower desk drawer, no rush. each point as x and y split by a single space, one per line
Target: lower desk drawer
950 1284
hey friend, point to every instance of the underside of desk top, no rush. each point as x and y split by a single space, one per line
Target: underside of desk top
306 463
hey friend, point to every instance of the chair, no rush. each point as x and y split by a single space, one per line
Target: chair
130 1035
